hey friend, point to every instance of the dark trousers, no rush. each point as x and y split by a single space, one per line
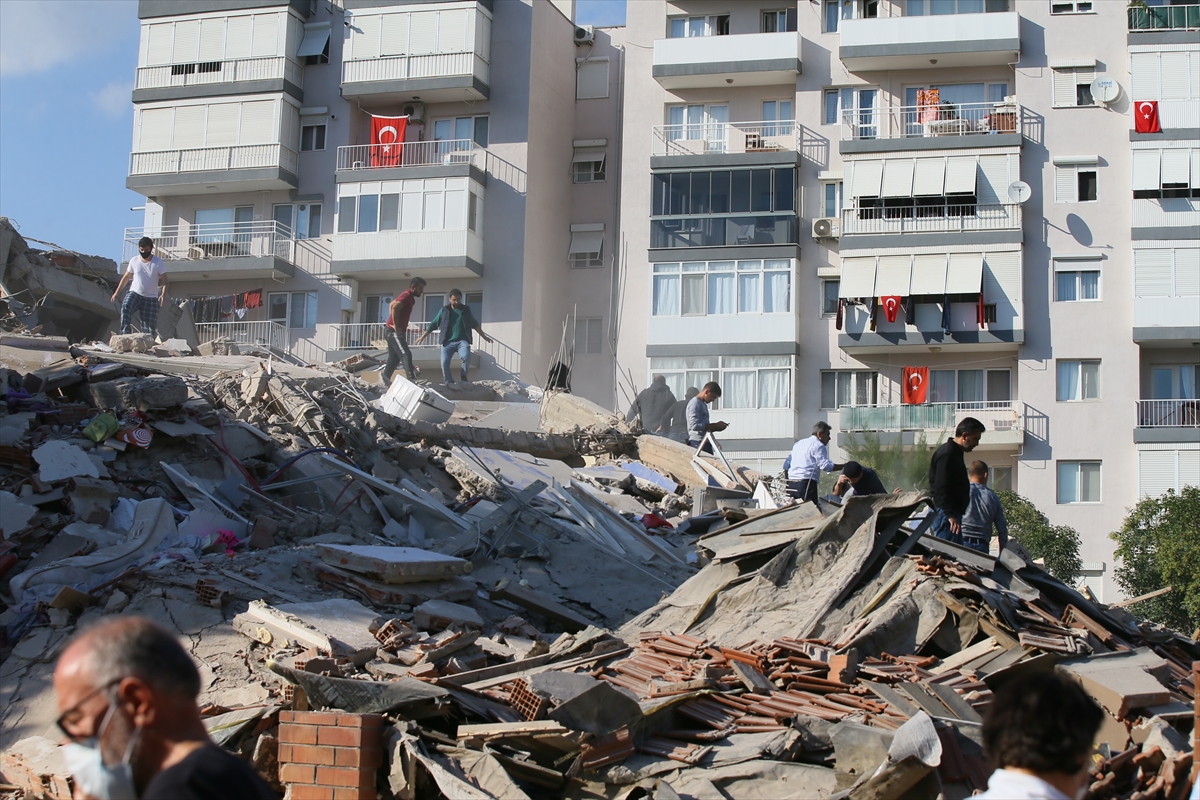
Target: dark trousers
398 352
805 491
145 307
941 528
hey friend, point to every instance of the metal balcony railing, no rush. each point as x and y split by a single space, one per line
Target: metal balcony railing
371 336
944 119
226 71
215 240
724 137
263 333
1164 18
410 154
1168 413
996 415
410 67
912 218
217 159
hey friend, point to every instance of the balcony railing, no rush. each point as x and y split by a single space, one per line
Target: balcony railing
410 154
1168 413
371 336
203 159
400 68
924 121
1164 18
228 71
724 137
215 240
263 333
922 218
999 416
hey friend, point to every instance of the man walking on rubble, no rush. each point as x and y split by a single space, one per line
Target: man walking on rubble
983 513
148 275
948 482
399 311
698 419
126 693
455 322
804 465
653 405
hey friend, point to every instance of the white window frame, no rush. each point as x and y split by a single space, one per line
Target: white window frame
860 381
296 208
310 301
1071 172
1077 268
1081 76
425 188
663 271
1077 465
381 303
591 171
711 24
778 13
839 198
591 331
319 130
723 366
474 137
582 234
1059 7
841 92
1076 365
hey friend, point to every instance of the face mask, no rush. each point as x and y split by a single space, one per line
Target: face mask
97 779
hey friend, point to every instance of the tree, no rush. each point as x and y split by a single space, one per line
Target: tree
1056 545
1159 545
898 468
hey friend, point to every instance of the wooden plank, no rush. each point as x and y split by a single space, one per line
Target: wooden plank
501 729
928 702
963 656
1141 597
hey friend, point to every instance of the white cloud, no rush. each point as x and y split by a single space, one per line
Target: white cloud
36 35
114 99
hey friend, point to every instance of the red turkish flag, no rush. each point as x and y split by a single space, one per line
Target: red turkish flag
916 385
1145 117
891 306
387 138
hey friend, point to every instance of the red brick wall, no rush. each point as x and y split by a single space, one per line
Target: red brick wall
330 755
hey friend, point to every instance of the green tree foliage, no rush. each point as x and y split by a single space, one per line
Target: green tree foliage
1159 545
1056 545
898 468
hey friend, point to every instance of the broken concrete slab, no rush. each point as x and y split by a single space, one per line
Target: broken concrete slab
396 594
156 392
186 428
1121 682
336 627
394 564
436 615
60 460
601 709
131 342
540 604
17 514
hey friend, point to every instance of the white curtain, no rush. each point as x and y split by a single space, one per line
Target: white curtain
693 294
666 295
1068 380
1089 285
749 292
1089 482
1189 386
941 386
722 293
1089 380
1068 482
773 388
970 385
777 297
674 383
739 390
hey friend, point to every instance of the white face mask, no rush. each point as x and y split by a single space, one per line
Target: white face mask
95 778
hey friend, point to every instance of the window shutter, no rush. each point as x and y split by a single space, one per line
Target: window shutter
591 80
894 276
452 31
158 48
1084 75
858 277
1195 182
258 122
960 175
1143 76
365 43
929 177
1156 472
212 39
1187 272
222 124
897 177
155 129
266 35
237 37
1064 87
189 127
1002 276
1189 468
483 36
1175 166
1194 71
929 274
422 32
1145 169
187 41
868 178
1174 75
393 40
965 275
992 187
1065 190
1151 273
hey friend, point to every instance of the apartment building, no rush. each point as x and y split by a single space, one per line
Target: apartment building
289 229
840 190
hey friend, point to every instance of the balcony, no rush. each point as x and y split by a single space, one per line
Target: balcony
904 424
722 138
174 81
434 77
932 127
262 333
749 59
229 250
930 219
437 159
359 337
236 168
927 334
1149 19
1170 421
390 255
948 41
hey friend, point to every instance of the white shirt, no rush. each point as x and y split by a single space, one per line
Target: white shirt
809 457
145 275
1008 785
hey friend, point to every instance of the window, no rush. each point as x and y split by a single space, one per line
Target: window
1176 382
1075 183
971 388
774 111
831 198
1000 479
433 204
375 308
589 334
724 208
1166 272
747 382
1078 380
855 107
223 231
432 304
833 13
475 301
591 79
710 288
461 130
312 137
314 47
829 296
779 21
1072 86
1076 280
293 309
302 219
587 165
1078 481
587 245
698 123
1171 173
848 388
973 103
918 8
689 27
1070 6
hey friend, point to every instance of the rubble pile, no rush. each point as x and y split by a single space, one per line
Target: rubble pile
524 599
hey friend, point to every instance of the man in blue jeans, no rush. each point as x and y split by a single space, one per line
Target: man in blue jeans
948 481
455 322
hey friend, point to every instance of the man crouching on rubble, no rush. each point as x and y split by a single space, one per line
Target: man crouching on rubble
126 694
1038 733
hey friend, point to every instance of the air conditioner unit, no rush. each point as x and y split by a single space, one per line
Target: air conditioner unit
585 34
415 112
827 228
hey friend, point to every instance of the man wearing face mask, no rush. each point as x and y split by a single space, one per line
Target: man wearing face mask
126 694
146 277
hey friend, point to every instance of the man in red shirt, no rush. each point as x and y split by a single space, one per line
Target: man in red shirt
399 311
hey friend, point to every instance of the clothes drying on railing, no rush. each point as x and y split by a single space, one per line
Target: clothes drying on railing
219 308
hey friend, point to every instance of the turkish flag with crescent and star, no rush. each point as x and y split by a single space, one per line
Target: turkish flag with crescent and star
387 140
916 385
891 306
1145 117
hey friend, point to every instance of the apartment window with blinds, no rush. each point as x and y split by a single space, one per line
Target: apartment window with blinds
587 246
589 335
591 79
1076 280
1078 482
1073 86
1076 183
1078 380
293 309
747 382
848 388
712 288
1162 174
587 164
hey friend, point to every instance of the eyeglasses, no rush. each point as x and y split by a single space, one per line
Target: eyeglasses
69 720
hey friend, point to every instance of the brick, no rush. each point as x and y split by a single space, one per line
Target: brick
290 733
297 773
311 717
351 778
311 754
284 753
341 737
364 757
360 720
354 794
306 792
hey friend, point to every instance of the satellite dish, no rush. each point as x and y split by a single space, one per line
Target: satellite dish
1019 191
1105 90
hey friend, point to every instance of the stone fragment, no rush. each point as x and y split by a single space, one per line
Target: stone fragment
61 460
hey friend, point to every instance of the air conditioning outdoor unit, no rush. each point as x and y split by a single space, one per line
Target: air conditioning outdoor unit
827 228
585 34
415 112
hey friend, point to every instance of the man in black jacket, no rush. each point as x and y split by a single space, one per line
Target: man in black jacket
948 481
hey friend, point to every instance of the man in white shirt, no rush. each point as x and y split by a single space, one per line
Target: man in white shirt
1038 733
148 275
809 456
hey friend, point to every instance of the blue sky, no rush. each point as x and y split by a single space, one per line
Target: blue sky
66 121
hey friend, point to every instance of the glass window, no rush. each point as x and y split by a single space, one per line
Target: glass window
1078 380
666 294
740 191
277 307
1079 482
999 386
970 386
785 195
1087 185
749 292
719 197
831 199
312 137
693 290
346 214
368 213
677 28
941 386
846 388
777 292
829 296
433 304
722 291
1074 286
832 15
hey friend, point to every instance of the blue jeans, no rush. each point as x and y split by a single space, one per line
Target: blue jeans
463 348
941 528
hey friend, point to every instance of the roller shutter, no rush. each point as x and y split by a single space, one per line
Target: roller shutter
266 36
1143 76
422 33
929 274
212 39
187 42
189 127
965 273
158 45
258 122
1175 166
155 129
393 39
1145 169
868 178
894 276
897 178
1152 273
1156 472
1187 272
929 177
858 277
223 124
452 31
960 175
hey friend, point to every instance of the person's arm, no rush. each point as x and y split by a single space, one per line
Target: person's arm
842 486
121 284
433 323
394 313
162 287
825 462
479 328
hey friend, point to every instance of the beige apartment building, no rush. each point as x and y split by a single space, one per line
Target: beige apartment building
721 191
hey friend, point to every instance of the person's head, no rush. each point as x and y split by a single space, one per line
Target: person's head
977 471
1043 723
417 286
968 432
691 392
126 689
659 380
455 298
709 392
821 431
853 471
146 248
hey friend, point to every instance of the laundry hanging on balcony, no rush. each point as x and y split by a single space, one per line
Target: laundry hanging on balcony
927 105
387 140
916 386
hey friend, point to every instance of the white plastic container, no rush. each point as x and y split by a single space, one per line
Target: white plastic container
406 400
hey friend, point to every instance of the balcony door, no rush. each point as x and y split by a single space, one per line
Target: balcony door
702 126
223 231
1176 382
971 102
